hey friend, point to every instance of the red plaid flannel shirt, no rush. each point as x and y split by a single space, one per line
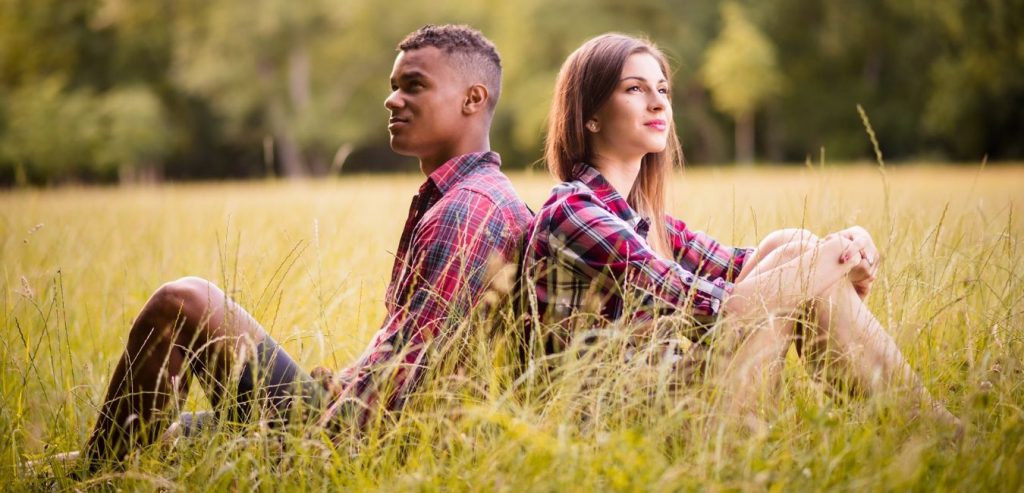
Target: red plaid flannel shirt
466 212
587 253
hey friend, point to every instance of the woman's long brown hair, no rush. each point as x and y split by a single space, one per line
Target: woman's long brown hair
585 83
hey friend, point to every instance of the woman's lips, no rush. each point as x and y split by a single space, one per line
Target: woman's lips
659 125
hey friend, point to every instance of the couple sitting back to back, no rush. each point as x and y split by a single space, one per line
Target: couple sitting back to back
611 141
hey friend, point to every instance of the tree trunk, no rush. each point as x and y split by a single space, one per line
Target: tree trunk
298 78
292 164
745 138
299 98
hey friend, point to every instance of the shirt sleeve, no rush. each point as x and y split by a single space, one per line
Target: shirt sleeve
446 274
590 241
703 255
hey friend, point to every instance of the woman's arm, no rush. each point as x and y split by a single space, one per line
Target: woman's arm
703 255
591 243
782 284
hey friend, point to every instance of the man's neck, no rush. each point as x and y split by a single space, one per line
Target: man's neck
430 164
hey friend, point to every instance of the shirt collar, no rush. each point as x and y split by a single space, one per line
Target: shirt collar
606 193
455 169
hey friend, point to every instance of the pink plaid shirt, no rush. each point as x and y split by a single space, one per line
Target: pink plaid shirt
587 252
465 213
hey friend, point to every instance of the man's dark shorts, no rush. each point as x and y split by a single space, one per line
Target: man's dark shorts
272 382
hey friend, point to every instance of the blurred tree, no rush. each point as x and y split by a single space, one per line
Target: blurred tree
51 134
134 138
976 103
252 58
196 87
741 72
45 38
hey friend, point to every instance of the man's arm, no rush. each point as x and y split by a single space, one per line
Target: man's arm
442 281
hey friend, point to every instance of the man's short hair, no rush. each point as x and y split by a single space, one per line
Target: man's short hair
473 53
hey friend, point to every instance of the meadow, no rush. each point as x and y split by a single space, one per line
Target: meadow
311 260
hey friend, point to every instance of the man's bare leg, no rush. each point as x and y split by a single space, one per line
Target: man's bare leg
187 318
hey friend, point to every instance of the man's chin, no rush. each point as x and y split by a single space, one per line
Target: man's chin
401 147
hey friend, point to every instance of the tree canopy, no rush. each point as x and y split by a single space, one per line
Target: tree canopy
741 72
101 89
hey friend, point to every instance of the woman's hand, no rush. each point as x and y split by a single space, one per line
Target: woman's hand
865 272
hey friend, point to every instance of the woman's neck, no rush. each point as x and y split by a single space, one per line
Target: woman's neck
620 173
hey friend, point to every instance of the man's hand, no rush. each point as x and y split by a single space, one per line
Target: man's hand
330 381
865 272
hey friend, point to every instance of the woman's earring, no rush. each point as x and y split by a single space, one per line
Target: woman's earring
592 126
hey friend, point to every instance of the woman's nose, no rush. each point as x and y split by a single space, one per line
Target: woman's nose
657 102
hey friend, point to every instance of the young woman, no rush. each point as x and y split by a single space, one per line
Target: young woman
603 244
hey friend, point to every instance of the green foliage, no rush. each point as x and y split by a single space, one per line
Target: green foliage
939 78
55 131
57 135
134 129
740 68
977 92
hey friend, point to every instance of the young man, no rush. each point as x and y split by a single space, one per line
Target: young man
445 86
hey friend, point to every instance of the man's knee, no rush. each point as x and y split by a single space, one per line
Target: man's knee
181 296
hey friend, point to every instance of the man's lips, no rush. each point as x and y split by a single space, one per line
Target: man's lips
659 125
395 122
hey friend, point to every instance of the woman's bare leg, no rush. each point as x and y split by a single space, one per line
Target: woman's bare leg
783 287
187 318
847 348
762 328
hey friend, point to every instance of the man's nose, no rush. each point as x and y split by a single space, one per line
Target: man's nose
393 101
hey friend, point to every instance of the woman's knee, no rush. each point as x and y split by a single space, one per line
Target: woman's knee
793 241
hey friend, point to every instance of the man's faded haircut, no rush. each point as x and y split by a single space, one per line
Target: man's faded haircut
473 53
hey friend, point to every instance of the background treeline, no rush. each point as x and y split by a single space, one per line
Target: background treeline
102 90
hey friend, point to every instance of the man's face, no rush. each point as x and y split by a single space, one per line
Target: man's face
427 96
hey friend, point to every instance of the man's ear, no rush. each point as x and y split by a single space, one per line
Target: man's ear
476 100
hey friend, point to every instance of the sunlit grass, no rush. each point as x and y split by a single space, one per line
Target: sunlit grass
311 261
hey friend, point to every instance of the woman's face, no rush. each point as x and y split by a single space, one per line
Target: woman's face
636 119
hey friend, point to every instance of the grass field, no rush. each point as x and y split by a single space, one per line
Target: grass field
311 260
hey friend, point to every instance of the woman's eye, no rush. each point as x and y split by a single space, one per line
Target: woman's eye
633 89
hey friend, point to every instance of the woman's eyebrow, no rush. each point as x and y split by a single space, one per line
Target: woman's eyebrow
637 77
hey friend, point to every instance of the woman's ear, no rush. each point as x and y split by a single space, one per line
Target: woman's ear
593 126
476 100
